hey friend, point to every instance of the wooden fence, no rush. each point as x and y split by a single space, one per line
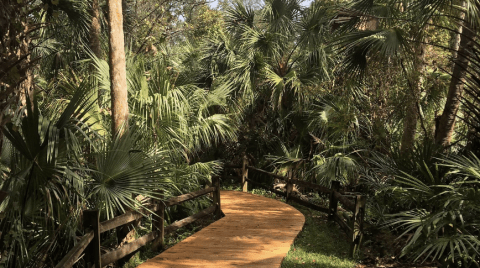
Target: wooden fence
353 227
90 242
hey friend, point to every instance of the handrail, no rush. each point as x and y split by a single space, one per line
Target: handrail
73 255
179 224
268 173
131 216
342 199
322 189
185 197
126 218
354 232
126 249
347 203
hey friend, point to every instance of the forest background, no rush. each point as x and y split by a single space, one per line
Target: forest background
105 100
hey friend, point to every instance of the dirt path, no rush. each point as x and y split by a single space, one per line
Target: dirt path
256 232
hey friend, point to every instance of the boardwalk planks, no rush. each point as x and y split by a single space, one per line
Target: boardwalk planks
256 232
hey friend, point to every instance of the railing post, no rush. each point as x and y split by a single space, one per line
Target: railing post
289 185
333 201
244 173
216 197
91 220
357 224
158 223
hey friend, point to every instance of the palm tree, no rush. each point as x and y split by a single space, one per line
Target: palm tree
437 205
461 61
282 50
51 179
419 15
28 30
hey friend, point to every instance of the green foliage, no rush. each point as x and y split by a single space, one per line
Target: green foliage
319 92
44 179
438 204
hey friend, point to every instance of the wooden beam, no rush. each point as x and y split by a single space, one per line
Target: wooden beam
308 204
127 249
357 224
333 201
72 256
244 173
345 202
292 198
343 225
131 216
126 218
268 173
174 226
158 224
182 198
92 253
289 186
216 197
299 182
312 186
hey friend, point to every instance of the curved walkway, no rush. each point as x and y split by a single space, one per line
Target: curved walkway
255 232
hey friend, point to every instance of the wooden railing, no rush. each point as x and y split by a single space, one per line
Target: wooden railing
353 227
90 242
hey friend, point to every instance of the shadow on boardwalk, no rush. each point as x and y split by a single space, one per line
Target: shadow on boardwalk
256 232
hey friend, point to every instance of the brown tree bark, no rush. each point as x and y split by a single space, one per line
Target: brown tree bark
95 29
95 33
118 73
26 86
446 126
412 113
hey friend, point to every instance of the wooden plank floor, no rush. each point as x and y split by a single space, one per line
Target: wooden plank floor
255 232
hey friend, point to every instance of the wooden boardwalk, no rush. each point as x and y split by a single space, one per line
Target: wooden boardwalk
256 232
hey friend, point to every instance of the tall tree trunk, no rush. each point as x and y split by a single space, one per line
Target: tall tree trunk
119 96
16 74
95 29
95 33
415 81
446 125
118 73
26 86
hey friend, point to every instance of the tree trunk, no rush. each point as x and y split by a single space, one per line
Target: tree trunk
95 33
446 126
95 29
412 112
26 86
118 73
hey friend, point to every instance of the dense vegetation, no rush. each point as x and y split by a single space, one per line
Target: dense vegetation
105 101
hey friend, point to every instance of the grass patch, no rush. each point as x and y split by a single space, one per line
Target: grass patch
319 244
